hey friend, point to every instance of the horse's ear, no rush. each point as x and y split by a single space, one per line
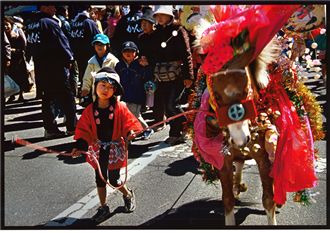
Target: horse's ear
202 41
259 67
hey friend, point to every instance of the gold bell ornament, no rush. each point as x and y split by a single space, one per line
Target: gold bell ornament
263 116
277 114
256 147
254 136
245 151
271 137
269 111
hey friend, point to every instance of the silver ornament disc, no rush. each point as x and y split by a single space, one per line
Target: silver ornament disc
163 44
236 112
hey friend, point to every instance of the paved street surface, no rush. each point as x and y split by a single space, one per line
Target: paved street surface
48 191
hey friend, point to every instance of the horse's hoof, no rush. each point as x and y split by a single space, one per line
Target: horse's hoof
242 187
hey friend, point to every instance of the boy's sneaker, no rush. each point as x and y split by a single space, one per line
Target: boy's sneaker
53 134
147 134
103 213
129 201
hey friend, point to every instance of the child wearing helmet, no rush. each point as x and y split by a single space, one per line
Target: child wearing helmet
102 58
101 129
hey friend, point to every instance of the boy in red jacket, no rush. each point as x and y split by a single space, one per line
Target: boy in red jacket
102 123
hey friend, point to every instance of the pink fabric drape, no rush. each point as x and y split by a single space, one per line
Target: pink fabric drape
210 148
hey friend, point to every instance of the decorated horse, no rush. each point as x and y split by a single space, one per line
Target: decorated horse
248 85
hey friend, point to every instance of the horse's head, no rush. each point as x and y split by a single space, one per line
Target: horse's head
235 87
232 99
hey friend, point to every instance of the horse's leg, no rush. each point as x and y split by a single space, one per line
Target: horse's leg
226 178
238 187
264 166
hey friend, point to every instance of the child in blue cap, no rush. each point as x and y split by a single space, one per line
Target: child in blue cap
102 58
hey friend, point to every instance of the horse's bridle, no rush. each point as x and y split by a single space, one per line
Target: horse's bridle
239 111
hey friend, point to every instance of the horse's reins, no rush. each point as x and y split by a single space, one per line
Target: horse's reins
92 155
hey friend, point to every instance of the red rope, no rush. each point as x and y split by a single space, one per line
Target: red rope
92 156
172 118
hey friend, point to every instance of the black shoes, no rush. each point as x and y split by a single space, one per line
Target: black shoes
175 140
69 132
103 213
50 134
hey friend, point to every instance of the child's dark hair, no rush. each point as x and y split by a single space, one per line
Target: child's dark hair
118 88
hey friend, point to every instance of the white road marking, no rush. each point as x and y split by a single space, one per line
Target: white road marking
321 165
85 204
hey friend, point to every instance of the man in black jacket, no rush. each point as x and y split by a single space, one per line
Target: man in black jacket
127 29
173 69
7 51
52 58
83 30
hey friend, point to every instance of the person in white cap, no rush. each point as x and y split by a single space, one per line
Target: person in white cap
173 69
102 126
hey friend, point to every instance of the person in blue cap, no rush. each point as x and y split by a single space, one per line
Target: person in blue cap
102 58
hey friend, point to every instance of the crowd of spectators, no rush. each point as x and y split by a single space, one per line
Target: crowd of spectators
68 44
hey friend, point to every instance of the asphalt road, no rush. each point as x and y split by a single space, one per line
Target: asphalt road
45 190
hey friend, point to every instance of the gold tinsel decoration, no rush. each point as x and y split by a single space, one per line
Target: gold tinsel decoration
314 111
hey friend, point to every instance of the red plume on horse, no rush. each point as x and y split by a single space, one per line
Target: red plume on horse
254 117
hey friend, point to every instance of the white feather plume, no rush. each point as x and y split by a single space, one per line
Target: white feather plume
202 41
268 55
